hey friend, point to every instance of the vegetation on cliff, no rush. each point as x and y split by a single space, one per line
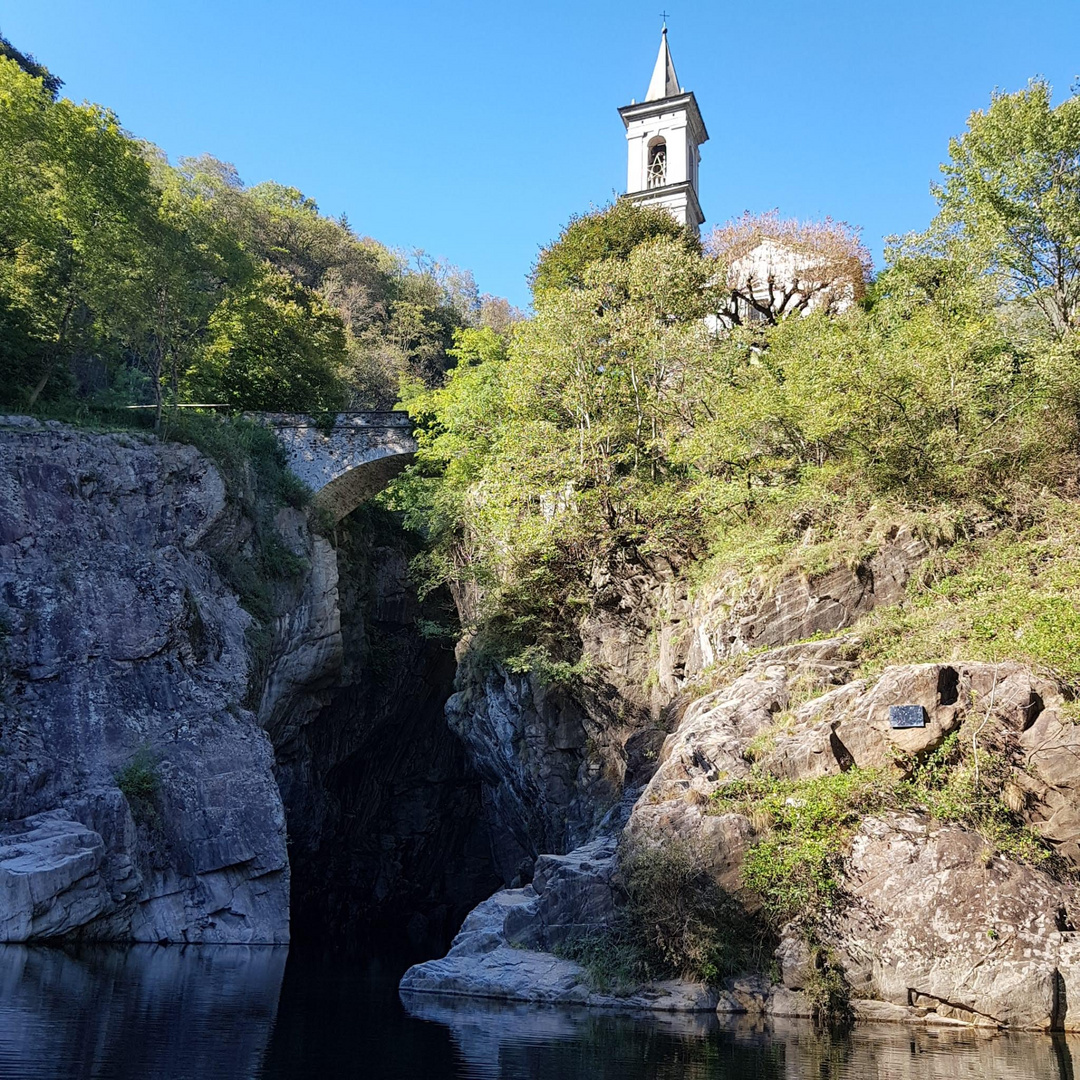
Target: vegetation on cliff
127 280
617 423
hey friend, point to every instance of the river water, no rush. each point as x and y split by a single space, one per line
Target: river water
217 1012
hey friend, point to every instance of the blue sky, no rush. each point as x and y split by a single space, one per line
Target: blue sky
473 130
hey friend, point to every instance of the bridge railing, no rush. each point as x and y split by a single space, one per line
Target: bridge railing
368 418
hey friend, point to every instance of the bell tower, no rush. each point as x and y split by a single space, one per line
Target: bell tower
663 134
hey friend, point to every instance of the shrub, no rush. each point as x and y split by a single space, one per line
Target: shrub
794 868
140 784
675 922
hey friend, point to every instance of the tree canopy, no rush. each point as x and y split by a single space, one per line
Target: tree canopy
1012 195
125 279
611 232
618 426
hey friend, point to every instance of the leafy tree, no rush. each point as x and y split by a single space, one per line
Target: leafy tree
76 209
609 233
1012 194
49 81
498 314
273 346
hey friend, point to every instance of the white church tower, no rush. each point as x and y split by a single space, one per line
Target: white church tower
663 134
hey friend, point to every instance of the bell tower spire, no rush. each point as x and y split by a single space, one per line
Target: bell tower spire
663 134
664 82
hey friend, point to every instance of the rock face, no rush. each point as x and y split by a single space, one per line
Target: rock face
137 792
933 925
552 769
501 952
140 797
938 922
554 763
799 608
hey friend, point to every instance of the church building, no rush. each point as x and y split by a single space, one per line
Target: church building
663 134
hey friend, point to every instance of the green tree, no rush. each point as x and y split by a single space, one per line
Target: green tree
611 232
272 346
1012 193
76 215
27 62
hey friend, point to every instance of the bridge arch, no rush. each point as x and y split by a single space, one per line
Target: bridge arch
348 462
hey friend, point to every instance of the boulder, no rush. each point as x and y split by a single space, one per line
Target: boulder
935 919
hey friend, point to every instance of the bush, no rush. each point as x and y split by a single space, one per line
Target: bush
806 826
140 784
674 922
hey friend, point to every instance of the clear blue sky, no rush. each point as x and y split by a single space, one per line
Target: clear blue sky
475 129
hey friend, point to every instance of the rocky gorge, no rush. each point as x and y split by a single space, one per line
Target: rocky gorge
175 769
172 775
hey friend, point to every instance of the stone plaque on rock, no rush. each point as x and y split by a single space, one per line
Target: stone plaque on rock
906 716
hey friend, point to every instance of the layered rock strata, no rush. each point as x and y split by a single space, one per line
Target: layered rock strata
555 763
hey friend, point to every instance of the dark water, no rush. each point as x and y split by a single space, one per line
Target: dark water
212 1013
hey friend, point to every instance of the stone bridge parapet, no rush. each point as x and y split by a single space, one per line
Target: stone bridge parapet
348 462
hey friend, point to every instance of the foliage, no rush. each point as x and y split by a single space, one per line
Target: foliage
674 922
1012 195
76 225
140 783
49 81
612 232
125 280
775 268
273 346
805 826
1013 594
615 427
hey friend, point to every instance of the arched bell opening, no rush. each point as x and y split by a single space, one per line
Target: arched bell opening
656 168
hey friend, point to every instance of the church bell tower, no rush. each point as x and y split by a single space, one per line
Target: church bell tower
663 134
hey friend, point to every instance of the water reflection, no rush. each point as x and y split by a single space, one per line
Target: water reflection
140 1011
217 1012
503 1041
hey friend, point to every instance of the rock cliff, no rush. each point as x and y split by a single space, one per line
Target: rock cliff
385 826
557 764
932 920
154 747
137 792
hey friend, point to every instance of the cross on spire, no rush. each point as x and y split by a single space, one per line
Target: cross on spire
664 16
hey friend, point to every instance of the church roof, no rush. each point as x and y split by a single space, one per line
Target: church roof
664 82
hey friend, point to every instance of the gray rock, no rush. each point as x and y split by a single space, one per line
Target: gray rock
499 951
126 646
936 920
49 877
574 896
550 768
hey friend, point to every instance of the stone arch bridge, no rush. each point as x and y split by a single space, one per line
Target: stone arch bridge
348 462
